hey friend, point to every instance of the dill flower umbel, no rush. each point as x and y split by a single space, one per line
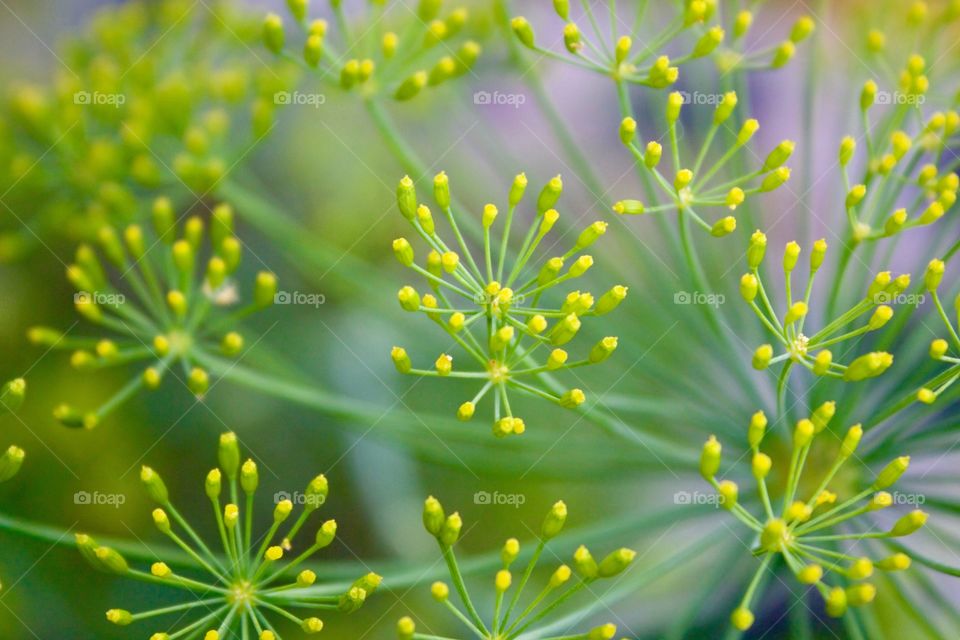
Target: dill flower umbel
372 60
511 619
812 352
899 169
900 31
170 308
611 52
154 98
252 581
496 308
736 54
942 350
797 534
694 186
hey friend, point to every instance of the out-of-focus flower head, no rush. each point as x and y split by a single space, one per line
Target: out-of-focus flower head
164 300
740 53
511 618
496 307
697 183
623 50
797 532
813 351
894 31
366 56
250 584
152 99
907 181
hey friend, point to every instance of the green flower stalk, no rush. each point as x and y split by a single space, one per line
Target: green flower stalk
942 350
496 308
511 619
253 580
154 100
372 60
813 351
798 532
694 184
170 308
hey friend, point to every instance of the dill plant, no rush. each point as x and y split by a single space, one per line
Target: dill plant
896 182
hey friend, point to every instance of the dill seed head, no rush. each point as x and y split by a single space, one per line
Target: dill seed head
498 306
429 54
799 531
513 615
165 299
249 580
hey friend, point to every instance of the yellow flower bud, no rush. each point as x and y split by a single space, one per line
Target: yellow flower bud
892 472
851 441
756 249
810 574
796 311
628 130
803 433
749 286
652 155
444 364
524 32
762 357
724 226
908 524
572 399
757 429
710 458
741 618
554 520
628 207
728 491
761 465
